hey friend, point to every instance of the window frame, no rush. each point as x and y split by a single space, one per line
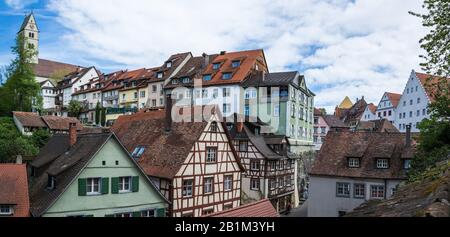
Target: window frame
209 159
351 164
91 185
184 188
253 182
227 182
377 191
343 195
210 191
380 161
356 189
122 185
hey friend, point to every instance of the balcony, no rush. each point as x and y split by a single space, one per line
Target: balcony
121 110
281 191
111 97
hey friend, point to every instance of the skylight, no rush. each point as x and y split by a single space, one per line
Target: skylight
138 151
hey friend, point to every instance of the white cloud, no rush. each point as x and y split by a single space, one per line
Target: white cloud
19 4
354 48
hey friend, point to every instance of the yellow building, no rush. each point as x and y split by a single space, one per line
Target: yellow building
346 103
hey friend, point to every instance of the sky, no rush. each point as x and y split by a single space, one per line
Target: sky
344 48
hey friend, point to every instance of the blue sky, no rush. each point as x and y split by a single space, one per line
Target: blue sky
344 47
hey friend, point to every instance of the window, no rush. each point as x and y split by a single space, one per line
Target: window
187 188
216 66
138 151
382 163
175 81
93 186
272 165
272 184
208 211
343 189
211 153
353 163
254 165
404 103
359 191
417 113
148 213
417 88
213 127
411 102
169 64
51 182
124 184
161 102
254 184
407 90
226 92
142 94
186 80
204 93
424 112
276 110
247 110
6 210
384 113
418 100
243 146
208 185
228 183
235 63
226 108
135 95
315 139
280 182
207 77
323 130
153 103
407 164
410 114
226 76
160 75
377 191
389 112
250 94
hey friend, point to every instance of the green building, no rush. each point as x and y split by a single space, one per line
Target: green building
91 175
284 102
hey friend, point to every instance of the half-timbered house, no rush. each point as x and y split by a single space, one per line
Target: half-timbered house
270 169
193 162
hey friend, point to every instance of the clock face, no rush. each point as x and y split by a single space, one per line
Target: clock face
32 26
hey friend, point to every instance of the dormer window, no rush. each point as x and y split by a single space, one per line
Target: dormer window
6 210
216 66
407 164
174 81
51 182
138 151
235 63
186 80
160 75
353 162
226 76
207 77
169 64
382 163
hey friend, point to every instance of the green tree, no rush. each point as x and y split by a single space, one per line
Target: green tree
75 108
20 91
40 137
97 113
103 117
12 143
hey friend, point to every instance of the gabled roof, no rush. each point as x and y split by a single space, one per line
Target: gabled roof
380 125
372 108
61 123
14 188
346 103
368 146
29 119
263 208
175 60
25 22
46 68
271 79
431 84
247 59
192 69
356 111
334 122
394 98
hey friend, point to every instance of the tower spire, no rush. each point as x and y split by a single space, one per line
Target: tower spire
30 33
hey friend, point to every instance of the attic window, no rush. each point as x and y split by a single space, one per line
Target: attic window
216 66
6 210
169 64
235 63
382 163
226 76
207 77
51 182
174 81
186 80
160 75
138 151
353 162
213 127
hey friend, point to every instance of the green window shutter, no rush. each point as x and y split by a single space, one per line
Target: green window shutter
81 187
114 185
105 185
137 214
161 212
135 184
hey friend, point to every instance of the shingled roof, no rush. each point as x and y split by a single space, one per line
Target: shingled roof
339 146
47 68
334 122
57 123
29 119
263 208
380 125
427 197
431 84
271 79
192 69
14 188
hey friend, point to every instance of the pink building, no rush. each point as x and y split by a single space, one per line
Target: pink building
320 129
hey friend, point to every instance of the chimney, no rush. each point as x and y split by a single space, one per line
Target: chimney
19 159
72 134
239 123
223 52
206 58
168 112
408 135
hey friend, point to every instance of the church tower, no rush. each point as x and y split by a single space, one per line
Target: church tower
30 32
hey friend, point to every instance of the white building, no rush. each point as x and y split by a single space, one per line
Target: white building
414 102
369 113
354 167
48 93
386 109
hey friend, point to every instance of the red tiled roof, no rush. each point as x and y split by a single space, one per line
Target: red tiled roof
263 208
372 108
46 68
368 146
394 98
430 84
317 112
29 119
247 59
14 188
61 123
